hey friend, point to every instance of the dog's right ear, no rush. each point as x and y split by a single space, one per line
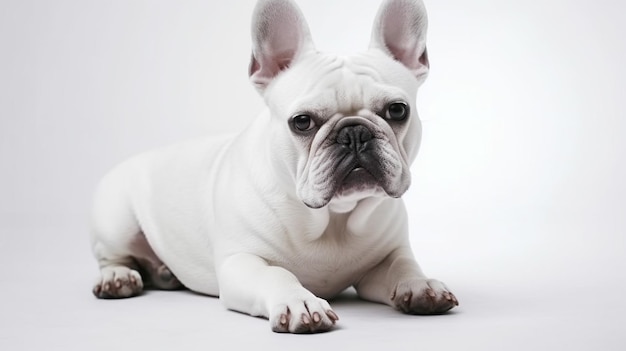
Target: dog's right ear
280 35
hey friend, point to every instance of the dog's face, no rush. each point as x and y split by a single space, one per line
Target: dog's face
350 122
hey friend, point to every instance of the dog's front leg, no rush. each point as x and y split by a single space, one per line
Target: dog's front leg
249 284
399 282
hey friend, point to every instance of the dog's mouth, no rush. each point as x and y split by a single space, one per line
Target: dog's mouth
357 178
358 172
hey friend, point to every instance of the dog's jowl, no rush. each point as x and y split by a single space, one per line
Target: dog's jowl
302 204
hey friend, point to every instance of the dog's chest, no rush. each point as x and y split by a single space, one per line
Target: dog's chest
335 261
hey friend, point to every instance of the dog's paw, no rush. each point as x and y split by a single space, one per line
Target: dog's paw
303 315
118 282
423 296
163 278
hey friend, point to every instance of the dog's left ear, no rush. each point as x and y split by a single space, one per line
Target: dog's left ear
400 31
280 35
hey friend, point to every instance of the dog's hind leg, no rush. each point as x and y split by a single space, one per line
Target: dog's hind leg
126 260
155 272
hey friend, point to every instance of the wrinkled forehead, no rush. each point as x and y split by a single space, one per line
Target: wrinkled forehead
327 84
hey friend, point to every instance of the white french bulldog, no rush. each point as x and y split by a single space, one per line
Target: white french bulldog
302 204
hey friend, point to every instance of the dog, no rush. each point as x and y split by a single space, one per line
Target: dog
302 204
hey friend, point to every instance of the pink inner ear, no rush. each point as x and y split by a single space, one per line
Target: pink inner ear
254 65
262 72
408 57
401 39
424 58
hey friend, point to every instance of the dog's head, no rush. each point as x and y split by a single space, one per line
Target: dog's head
348 125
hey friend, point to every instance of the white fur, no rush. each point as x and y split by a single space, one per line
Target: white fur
227 216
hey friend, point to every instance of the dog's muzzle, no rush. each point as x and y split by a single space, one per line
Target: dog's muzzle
359 165
356 143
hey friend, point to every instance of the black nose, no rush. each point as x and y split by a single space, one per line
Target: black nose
354 137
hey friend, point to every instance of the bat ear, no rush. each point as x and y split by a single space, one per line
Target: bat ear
400 31
280 35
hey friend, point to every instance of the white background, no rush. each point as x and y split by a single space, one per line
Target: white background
518 196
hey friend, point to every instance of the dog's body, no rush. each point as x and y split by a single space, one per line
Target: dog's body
302 204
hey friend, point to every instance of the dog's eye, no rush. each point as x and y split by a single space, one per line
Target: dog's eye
303 123
397 111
